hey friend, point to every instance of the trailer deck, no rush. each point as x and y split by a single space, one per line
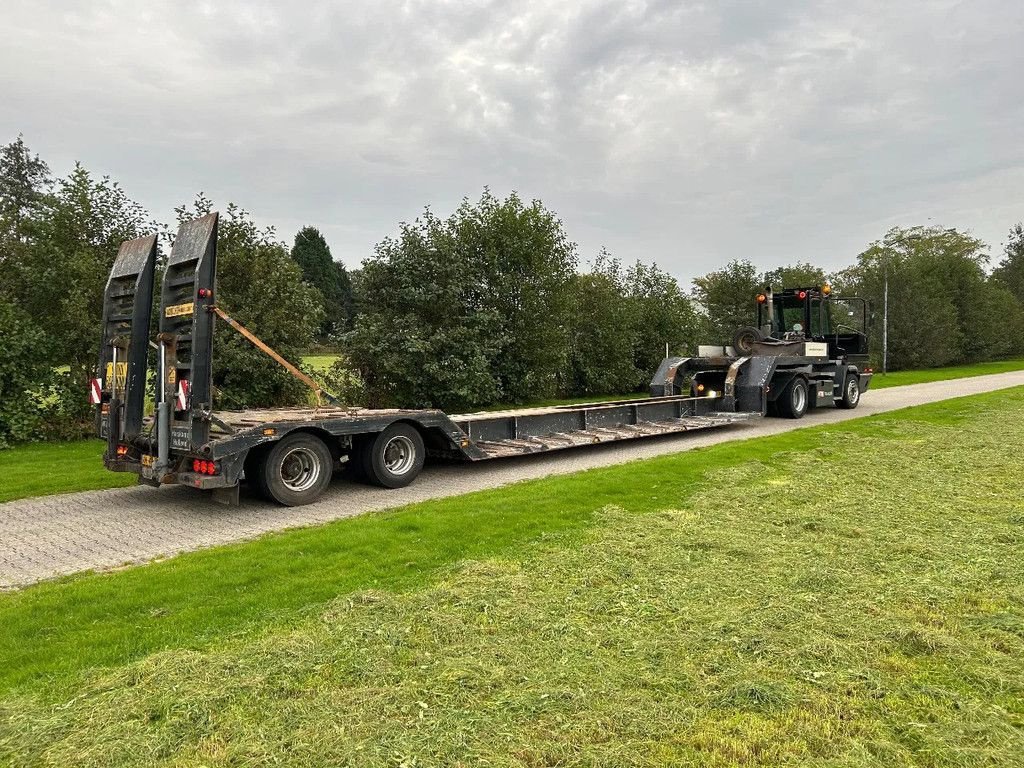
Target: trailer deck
488 434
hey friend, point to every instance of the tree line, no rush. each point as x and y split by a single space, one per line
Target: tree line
488 305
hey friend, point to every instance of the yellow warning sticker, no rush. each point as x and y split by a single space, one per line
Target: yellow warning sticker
122 375
177 310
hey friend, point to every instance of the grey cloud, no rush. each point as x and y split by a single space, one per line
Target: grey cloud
687 133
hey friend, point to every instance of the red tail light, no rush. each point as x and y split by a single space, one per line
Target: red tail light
201 467
122 450
802 294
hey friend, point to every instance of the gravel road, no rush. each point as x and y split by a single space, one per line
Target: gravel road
55 535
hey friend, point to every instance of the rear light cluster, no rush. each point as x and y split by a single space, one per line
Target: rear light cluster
204 467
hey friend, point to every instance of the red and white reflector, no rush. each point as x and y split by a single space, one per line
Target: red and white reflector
95 391
181 401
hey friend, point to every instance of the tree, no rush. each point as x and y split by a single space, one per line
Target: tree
603 331
662 315
1010 271
57 244
528 266
726 298
24 179
319 269
464 311
936 280
60 274
799 275
423 336
348 295
260 285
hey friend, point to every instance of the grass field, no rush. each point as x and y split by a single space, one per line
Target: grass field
320 362
900 378
45 468
841 595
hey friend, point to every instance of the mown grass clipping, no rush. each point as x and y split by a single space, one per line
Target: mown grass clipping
859 603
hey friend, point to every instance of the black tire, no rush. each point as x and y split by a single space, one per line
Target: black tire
253 469
297 469
794 400
394 457
851 392
745 338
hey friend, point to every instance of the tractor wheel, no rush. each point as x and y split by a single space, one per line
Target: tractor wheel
851 392
393 458
793 402
297 469
745 338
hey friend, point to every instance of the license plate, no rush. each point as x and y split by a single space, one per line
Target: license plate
148 461
178 310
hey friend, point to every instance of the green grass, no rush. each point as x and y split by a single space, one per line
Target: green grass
320 362
45 468
900 378
849 594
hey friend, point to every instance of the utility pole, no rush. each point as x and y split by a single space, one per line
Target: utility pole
885 324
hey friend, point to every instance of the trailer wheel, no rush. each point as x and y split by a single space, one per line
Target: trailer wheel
393 458
851 392
297 469
794 400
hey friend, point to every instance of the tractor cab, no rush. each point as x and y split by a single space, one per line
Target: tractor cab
814 314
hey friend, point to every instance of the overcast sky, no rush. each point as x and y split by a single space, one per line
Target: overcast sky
687 133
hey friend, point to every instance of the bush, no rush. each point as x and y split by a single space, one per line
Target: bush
467 311
66 412
344 382
24 373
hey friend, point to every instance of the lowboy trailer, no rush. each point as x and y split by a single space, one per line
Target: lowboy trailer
289 454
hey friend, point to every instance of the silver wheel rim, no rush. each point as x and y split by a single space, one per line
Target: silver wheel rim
300 469
799 398
853 392
399 455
